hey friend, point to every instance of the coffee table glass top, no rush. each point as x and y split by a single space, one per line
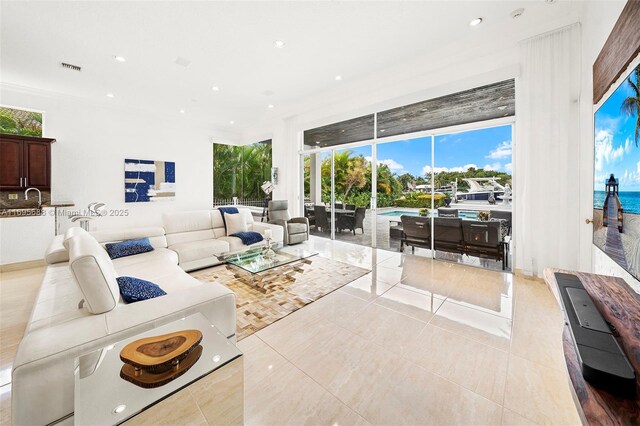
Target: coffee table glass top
102 397
254 261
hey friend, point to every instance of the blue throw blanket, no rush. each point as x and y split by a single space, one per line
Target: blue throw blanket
248 238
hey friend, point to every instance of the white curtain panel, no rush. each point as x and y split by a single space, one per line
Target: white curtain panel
546 151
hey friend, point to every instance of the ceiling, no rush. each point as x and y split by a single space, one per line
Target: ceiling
231 45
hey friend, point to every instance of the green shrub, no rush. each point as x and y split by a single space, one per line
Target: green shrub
421 201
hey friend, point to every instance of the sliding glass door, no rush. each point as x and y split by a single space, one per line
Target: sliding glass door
454 190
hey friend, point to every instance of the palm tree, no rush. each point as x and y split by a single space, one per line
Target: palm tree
631 105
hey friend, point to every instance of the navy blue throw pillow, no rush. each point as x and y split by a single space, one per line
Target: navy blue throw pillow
128 248
134 289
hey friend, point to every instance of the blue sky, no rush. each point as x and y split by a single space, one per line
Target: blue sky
486 148
615 150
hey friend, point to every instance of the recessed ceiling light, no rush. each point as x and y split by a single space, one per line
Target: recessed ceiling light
338 77
317 142
119 409
517 13
232 122
475 22
181 111
270 106
279 44
215 88
110 95
120 58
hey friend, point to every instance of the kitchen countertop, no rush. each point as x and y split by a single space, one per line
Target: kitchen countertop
33 211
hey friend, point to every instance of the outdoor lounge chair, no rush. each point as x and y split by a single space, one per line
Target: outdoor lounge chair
416 232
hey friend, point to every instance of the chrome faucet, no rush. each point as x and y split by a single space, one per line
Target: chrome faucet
26 196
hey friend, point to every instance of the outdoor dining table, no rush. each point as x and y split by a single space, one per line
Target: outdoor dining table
341 211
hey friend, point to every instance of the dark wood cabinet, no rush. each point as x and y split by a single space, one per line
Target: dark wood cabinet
25 161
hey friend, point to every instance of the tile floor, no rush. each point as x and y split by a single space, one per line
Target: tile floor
414 342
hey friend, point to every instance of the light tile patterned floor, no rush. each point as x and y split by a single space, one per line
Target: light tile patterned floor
414 342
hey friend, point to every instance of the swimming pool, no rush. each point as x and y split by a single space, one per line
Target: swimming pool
464 214
398 213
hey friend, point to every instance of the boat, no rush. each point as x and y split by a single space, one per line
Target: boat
480 189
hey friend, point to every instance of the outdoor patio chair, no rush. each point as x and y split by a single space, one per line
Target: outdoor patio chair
323 222
504 215
444 212
296 230
447 235
483 239
352 222
338 205
416 232
350 207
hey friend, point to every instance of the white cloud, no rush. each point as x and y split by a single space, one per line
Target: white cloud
492 167
393 165
508 167
427 169
501 151
631 178
605 152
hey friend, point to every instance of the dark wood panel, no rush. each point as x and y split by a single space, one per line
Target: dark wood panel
353 130
620 306
10 164
622 46
470 106
37 158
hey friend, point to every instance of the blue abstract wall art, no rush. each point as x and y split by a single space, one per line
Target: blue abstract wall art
147 180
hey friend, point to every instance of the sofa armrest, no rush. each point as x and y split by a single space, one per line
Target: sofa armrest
277 231
300 220
56 252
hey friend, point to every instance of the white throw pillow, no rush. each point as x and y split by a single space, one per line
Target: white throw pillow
235 223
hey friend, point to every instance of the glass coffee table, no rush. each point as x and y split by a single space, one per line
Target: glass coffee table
103 397
256 268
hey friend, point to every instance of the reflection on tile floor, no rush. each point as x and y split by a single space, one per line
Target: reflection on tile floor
413 342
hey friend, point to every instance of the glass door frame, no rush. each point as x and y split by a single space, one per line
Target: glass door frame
432 133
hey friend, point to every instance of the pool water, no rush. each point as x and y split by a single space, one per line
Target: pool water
465 214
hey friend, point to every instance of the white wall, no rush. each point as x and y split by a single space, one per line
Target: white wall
94 139
598 19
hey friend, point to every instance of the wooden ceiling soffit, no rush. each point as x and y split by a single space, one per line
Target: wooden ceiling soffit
349 131
479 104
622 46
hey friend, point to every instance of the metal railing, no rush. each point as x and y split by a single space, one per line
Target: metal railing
251 202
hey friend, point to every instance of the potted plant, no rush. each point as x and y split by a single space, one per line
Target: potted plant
423 212
447 199
483 215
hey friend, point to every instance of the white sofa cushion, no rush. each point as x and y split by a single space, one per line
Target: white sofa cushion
94 272
195 220
236 244
159 254
70 233
155 235
235 223
195 250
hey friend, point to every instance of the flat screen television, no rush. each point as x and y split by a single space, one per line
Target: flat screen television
616 193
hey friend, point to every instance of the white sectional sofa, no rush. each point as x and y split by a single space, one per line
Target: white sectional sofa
198 237
78 308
